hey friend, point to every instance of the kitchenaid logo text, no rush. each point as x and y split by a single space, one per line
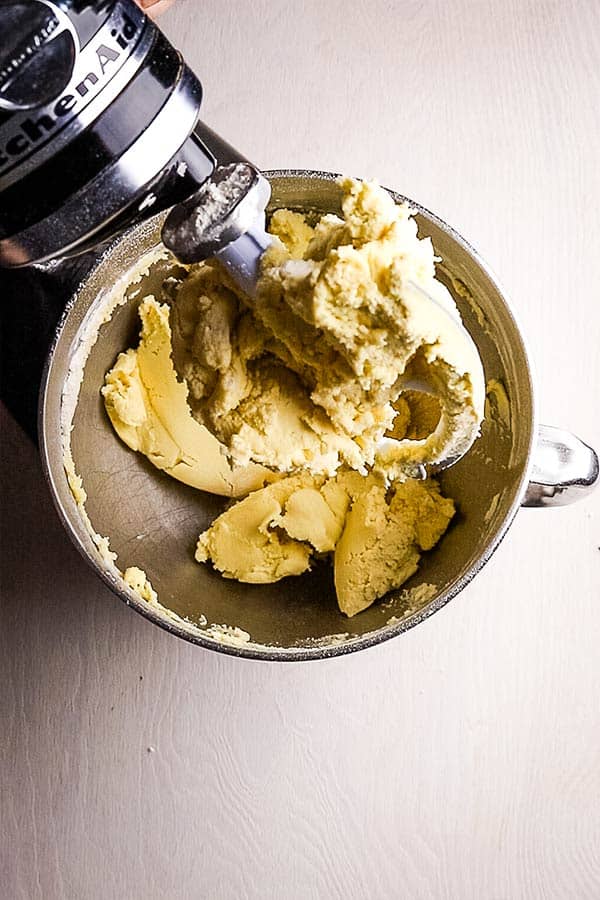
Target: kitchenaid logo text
97 63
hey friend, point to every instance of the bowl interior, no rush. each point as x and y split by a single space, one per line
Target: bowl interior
153 521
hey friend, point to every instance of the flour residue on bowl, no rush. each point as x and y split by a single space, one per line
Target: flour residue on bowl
411 601
101 542
497 403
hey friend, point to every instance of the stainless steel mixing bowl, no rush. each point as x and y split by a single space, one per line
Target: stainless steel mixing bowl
153 521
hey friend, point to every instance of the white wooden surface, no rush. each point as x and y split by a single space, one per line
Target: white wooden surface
461 760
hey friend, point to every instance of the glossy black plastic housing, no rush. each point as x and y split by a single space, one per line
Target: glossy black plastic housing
116 144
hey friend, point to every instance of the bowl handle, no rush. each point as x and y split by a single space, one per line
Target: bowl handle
564 469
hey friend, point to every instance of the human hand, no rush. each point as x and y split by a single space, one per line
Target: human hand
154 8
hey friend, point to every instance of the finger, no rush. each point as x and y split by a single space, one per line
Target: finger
154 7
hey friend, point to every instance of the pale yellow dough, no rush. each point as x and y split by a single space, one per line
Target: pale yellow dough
347 315
139 582
148 408
273 532
376 534
383 537
303 381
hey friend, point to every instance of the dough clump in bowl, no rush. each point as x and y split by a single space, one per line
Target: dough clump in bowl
282 401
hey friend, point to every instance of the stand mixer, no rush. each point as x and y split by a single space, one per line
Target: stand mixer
99 128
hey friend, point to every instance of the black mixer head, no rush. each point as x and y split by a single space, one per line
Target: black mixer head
98 125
